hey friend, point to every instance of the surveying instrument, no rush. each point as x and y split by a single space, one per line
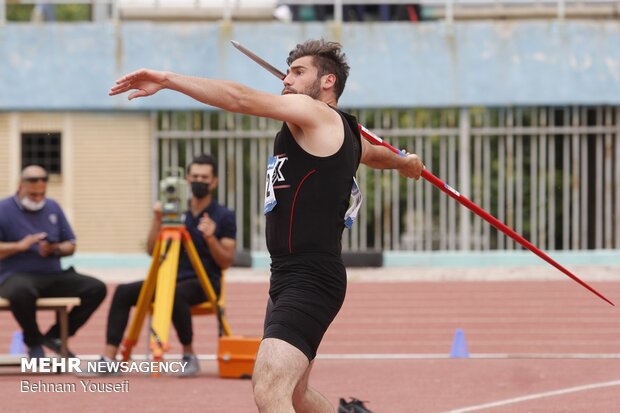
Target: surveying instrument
160 282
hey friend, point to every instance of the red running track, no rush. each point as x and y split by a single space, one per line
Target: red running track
535 347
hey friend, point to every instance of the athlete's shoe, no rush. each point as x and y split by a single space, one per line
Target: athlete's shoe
353 406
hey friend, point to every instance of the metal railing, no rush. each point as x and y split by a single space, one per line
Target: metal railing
550 173
100 9
434 9
197 9
264 9
560 9
450 10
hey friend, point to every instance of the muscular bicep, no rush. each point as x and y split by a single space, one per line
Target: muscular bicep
380 157
369 153
296 109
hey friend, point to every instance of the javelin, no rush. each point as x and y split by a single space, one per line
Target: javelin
376 140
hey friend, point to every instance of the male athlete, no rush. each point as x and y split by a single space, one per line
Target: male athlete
309 186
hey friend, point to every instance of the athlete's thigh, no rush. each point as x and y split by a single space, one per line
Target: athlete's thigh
280 364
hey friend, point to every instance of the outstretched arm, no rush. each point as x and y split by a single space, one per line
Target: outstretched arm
297 109
380 157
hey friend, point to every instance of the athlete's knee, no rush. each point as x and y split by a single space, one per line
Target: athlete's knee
265 396
270 388
299 397
264 387
302 394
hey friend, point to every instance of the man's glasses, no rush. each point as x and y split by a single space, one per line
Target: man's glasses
33 179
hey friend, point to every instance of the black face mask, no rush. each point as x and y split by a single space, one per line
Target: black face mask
200 189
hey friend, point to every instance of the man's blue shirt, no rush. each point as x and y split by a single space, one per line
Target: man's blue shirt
16 223
226 227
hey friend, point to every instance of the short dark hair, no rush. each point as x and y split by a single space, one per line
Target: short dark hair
204 159
327 57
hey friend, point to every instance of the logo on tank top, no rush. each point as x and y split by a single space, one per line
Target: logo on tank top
278 176
274 175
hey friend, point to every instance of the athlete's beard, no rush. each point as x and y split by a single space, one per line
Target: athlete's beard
314 91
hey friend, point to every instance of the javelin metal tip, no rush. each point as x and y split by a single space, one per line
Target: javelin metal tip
274 71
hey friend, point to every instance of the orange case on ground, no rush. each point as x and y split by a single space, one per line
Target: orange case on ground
236 356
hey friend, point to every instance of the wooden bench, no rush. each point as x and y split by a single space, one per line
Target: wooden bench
61 306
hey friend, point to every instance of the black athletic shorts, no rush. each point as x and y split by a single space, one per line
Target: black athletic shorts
305 294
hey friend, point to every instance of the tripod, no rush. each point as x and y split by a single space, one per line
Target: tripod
161 283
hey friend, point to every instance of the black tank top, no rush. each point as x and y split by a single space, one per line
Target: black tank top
312 194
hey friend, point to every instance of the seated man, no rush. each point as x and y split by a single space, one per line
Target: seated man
34 234
213 230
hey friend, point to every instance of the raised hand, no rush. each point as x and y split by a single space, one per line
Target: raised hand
145 82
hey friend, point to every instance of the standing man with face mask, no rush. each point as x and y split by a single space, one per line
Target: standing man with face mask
213 230
34 234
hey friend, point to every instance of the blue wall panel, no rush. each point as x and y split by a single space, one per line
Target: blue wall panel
72 66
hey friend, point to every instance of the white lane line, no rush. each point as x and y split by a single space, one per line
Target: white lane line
536 396
408 356
431 356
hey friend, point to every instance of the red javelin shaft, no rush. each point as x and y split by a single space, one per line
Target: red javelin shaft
376 140
371 137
